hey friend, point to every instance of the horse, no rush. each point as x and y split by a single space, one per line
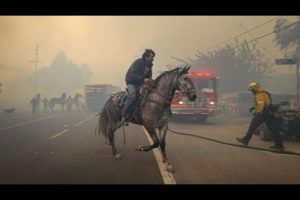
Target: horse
153 114
60 100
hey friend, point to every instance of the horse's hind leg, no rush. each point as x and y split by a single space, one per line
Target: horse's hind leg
111 139
155 140
164 130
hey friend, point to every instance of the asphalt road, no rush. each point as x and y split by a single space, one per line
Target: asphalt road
62 148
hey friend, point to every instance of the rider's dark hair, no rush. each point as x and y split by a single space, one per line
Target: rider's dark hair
148 52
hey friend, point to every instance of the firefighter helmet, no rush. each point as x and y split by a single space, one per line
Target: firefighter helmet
252 85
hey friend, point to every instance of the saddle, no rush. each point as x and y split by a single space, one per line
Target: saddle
143 92
120 98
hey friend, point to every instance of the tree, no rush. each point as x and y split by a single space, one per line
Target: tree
288 38
63 76
236 63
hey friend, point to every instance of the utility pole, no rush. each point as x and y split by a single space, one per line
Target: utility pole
36 61
298 63
297 71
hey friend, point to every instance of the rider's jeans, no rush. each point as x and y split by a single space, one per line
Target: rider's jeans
130 101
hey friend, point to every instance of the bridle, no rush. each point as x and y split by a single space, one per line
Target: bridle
186 91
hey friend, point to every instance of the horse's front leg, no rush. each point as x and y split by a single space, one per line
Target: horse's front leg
155 140
164 130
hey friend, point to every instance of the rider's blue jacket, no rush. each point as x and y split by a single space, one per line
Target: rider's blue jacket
136 73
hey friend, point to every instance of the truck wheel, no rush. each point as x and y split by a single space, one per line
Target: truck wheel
297 138
297 132
264 133
202 118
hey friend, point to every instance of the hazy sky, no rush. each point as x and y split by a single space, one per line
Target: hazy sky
109 44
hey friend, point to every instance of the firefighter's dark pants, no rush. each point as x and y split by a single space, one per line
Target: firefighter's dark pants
272 124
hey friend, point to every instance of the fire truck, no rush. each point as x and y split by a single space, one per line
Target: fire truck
96 95
206 103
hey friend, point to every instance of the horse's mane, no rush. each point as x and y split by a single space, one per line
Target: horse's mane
163 74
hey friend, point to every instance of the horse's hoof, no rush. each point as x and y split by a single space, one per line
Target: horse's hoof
169 168
139 148
118 156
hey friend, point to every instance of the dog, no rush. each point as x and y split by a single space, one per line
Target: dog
9 110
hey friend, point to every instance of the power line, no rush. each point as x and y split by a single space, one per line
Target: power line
225 41
270 33
275 31
265 35
268 53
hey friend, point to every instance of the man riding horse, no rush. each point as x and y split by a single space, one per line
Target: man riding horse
153 114
140 72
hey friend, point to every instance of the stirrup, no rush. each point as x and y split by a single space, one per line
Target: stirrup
124 121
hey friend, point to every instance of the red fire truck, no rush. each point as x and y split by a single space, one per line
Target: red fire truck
206 103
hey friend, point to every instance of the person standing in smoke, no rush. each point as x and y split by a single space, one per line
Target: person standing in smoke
45 101
33 104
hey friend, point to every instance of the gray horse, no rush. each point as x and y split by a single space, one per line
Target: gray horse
61 101
153 114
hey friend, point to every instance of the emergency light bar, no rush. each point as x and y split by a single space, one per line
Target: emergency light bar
203 74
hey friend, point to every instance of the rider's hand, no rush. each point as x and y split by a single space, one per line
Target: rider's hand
251 109
147 81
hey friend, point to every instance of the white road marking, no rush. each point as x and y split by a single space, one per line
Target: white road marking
29 122
58 134
66 130
83 121
168 177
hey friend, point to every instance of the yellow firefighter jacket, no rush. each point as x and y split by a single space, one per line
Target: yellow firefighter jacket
261 99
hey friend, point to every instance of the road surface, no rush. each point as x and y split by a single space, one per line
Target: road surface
62 148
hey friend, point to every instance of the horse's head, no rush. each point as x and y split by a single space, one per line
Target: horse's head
184 83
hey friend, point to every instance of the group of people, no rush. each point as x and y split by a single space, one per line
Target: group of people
140 72
35 103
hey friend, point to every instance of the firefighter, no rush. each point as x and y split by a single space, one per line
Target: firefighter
262 102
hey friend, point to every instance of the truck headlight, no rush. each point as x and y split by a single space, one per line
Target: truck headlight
212 103
180 102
